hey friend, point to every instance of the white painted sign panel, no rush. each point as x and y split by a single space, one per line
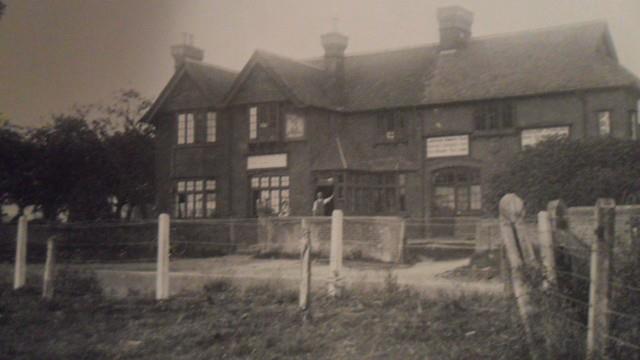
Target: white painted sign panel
531 137
270 161
444 146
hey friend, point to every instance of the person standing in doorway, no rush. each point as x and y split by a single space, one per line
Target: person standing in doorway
319 204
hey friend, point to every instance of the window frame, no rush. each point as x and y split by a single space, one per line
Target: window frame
188 190
211 132
495 117
185 128
264 184
265 123
391 127
609 122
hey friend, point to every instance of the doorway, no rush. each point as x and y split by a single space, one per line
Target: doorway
326 191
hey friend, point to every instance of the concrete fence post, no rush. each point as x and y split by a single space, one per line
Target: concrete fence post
48 278
305 283
20 269
162 273
547 254
335 260
403 241
601 249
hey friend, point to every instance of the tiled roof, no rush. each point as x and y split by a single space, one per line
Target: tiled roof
215 81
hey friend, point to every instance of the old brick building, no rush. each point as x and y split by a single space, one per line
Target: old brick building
414 131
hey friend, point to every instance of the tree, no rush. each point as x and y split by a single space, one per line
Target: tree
16 168
71 172
578 172
3 6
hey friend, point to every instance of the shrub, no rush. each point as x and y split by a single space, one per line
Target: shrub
578 172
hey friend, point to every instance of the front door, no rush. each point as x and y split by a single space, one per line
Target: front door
456 193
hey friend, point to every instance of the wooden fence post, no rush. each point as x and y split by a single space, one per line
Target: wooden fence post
403 240
511 212
20 269
305 283
546 249
601 248
162 272
48 278
335 260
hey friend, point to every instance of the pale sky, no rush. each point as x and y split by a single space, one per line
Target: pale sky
56 53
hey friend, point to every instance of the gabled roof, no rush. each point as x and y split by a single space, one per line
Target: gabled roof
304 84
212 82
556 59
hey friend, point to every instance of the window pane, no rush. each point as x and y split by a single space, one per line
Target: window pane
264 182
284 194
284 181
211 204
181 128
275 181
199 205
211 126
189 186
476 197
462 198
604 122
444 197
253 122
190 129
275 200
255 182
190 205
181 186
210 185
198 185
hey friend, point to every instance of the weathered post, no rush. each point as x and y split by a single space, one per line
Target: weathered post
546 249
20 269
511 212
305 283
335 260
605 212
48 278
162 272
403 240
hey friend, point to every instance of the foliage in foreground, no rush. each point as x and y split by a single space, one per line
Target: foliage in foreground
579 172
259 322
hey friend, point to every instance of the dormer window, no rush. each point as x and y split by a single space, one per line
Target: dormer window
186 128
494 116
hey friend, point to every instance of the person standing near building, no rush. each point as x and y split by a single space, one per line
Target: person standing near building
319 204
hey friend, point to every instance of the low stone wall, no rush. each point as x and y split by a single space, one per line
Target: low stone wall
581 221
377 238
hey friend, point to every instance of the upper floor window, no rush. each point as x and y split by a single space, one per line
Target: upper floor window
391 126
211 126
186 128
494 116
604 122
264 122
531 137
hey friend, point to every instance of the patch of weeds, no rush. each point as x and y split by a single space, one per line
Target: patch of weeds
77 283
270 293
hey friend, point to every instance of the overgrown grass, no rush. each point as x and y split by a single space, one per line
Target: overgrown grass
259 322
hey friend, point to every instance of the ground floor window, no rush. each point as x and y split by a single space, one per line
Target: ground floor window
361 192
195 198
456 191
270 194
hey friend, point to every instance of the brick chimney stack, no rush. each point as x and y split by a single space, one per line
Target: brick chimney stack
334 44
186 51
455 27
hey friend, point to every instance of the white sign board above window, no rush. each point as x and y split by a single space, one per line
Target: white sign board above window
531 137
446 146
271 161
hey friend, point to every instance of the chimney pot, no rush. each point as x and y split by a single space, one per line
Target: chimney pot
455 27
186 52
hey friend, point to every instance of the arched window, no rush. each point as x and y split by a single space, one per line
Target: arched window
456 191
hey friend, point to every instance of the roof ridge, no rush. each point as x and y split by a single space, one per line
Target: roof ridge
473 38
297 61
214 66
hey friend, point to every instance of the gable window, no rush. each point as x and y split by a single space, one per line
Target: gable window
604 122
211 126
264 124
494 116
195 198
391 126
186 128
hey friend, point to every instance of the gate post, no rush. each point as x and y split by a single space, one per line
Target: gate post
335 261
